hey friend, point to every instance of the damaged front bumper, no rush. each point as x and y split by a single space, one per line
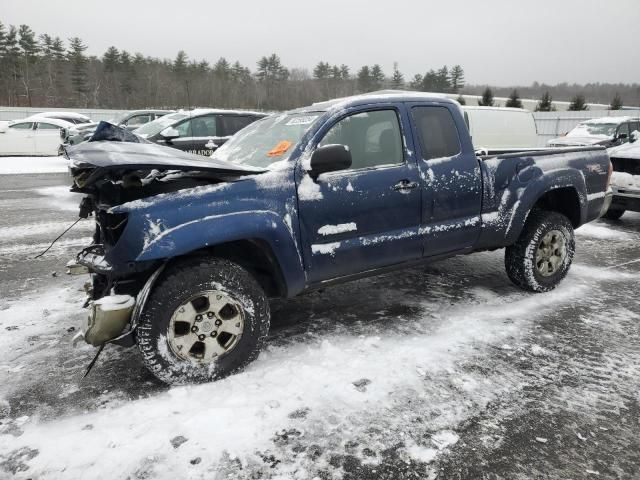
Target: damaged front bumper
114 318
108 318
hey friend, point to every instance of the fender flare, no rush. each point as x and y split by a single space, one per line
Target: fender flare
534 191
214 230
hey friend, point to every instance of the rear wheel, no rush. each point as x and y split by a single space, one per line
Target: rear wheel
614 213
542 255
205 319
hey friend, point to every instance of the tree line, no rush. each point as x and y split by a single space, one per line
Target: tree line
46 71
545 104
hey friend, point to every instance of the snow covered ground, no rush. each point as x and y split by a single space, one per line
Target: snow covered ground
444 370
15 165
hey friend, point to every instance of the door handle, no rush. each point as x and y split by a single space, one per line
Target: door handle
404 185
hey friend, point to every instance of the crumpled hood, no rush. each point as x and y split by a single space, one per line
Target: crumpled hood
138 156
579 141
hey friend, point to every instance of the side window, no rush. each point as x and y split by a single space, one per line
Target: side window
198 127
373 138
22 126
232 124
437 131
623 128
47 126
138 120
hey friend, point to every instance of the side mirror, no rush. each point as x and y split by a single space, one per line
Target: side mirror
329 158
169 133
623 136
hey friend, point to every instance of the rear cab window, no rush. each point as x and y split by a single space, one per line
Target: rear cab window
437 132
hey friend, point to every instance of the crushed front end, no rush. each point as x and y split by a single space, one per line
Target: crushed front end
111 174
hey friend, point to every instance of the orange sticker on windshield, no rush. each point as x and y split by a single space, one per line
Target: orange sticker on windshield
279 149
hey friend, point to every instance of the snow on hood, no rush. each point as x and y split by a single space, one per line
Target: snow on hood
627 150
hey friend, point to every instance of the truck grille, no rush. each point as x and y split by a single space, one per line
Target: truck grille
627 165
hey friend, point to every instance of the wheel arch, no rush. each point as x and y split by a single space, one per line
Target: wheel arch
558 192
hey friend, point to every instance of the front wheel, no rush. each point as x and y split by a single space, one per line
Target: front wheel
204 319
542 255
614 213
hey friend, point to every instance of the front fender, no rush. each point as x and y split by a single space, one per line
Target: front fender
217 229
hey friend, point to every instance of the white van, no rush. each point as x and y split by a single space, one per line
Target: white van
498 128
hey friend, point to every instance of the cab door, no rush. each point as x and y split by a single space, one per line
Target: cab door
452 192
368 216
47 138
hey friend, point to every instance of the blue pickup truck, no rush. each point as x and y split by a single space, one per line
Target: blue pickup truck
187 251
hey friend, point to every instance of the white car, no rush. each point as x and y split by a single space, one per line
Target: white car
32 136
71 117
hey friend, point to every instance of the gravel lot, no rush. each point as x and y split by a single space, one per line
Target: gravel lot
440 371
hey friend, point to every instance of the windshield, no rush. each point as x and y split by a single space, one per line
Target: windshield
153 128
594 130
266 141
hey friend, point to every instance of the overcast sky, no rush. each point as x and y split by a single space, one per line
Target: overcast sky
501 42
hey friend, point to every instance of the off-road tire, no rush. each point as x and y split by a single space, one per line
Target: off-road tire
614 213
178 283
520 258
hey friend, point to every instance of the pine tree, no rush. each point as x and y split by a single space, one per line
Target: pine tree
3 39
364 79
487 98
456 78
270 69
46 43
127 73
28 43
442 84
377 77
461 100
616 103
578 103
240 73
345 73
57 49
322 71
416 82
397 79
180 63
514 100
222 69
110 59
545 104
29 49
79 74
